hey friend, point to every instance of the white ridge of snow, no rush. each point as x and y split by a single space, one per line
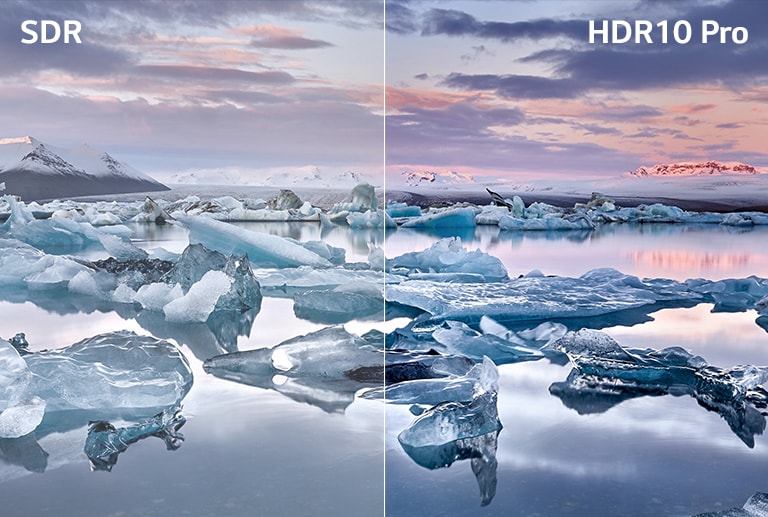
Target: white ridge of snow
414 178
29 153
696 169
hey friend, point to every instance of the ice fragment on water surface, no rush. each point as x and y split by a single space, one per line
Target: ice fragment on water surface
110 371
105 442
449 256
21 419
198 303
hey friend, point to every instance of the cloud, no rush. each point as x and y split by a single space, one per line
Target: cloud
400 19
270 36
729 125
458 23
207 73
421 77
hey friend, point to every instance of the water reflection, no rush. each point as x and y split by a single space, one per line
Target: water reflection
480 450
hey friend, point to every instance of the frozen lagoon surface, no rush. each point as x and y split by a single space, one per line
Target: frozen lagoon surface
646 456
247 450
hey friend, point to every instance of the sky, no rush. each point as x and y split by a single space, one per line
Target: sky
513 89
245 87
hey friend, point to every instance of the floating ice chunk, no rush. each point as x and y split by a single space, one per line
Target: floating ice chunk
370 219
756 506
449 256
376 258
402 210
328 353
22 419
23 265
481 450
123 294
110 371
444 218
481 378
285 200
451 421
14 376
84 283
547 223
597 292
155 296
198 303
105 442
361 199
344 303
608 374
261 248
459 339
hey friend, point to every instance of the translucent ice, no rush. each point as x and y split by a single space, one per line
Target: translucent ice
14 376
344 303
451 421
328 353
362 198
607 374
481 378
449 256
402 210
444 218
600 291
105 442
198 303
25 266
22 419
262 249
480 450
110 371
458 338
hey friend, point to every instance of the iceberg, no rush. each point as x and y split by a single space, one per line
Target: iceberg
262 249
329 353
22 265
344 303
607 374
402 210
480 450
22 419
451 421
444 218
362 198
437 386
117 370
597 292
455 337
449 256
105 442
320 368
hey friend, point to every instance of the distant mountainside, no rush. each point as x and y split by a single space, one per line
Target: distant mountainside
34 170
294 178
711 168
412 178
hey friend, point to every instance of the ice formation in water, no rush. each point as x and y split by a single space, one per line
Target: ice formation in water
756 506
361 199
449 256
443 218
597 292
317 368
64 235
355 300
110 371
451 421
607 374
402 210
105 442
435 386
480 450
262 249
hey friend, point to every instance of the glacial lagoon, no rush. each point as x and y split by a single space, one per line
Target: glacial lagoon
284 448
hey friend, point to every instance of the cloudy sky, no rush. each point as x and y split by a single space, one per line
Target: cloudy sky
242 86
513 88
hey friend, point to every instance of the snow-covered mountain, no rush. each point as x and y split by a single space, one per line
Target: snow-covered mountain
414 178
711 168
309 177
35 170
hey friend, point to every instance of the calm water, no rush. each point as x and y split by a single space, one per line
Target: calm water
651 456
251 451
248 451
